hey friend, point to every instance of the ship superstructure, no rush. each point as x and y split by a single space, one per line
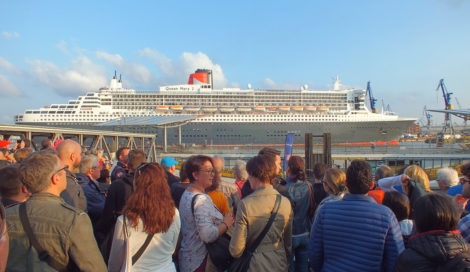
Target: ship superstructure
231 115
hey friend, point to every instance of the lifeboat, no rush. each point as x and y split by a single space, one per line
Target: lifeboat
259 108
310 108
272 109
284 108
297 108
162 108
192 109
176 108
227 109
209 109
244 109
322 108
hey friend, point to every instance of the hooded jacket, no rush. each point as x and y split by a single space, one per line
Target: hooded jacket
435 251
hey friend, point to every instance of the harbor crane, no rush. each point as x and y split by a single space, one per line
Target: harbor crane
372 99
428 117
448 106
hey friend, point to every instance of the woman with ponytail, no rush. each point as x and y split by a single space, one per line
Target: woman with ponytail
300 194
334 183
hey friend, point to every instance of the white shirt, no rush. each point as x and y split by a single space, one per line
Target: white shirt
156 257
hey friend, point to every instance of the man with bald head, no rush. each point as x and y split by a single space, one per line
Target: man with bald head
70 154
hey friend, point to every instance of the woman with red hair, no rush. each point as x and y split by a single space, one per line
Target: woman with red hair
150 222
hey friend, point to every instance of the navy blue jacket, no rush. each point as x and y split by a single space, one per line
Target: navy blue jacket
355 234
95 197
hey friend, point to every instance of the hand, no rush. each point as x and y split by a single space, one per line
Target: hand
405 179
228 219
460 203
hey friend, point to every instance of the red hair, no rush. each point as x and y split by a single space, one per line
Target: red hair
151 200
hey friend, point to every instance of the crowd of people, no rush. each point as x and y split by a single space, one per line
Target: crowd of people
64 209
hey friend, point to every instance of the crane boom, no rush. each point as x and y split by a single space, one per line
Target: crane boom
372 99
445 94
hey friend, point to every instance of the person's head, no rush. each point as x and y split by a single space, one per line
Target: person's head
21 154
275 154
135 158
200 171
27 143
435 212
46 143
169 164
239 170
70 153
89 166
20 144
105 176
446 178
121 155
43 172
296 168
219 164
11 186
261 171
151 200
398 203
383 171
359 177
465 170
319 170
419 175
334 181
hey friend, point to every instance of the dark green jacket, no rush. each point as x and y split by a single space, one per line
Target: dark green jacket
73 194
62 230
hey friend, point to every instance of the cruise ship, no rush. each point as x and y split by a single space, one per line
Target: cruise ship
230 116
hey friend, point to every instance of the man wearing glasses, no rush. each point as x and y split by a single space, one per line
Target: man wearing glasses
45 232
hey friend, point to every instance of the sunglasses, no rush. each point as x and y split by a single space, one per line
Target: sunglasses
65 168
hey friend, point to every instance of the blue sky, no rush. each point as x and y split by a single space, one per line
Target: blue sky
52 51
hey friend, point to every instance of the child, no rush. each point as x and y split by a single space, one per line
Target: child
400 206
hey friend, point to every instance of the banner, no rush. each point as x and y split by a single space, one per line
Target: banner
288 151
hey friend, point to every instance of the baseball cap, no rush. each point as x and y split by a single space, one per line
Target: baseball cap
168 161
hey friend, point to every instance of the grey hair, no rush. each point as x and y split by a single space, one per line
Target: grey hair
239 170
448 175
88 162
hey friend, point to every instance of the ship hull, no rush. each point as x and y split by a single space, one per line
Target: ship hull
245 133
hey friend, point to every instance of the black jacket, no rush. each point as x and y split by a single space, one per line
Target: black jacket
435 251
118 193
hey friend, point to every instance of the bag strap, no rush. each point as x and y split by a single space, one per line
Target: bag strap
144 246
192 202
258 240
43 254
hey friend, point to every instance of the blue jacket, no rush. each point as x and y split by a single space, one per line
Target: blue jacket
355 234
95 197
300 198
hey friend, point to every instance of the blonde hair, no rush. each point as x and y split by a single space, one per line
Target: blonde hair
335 180
419 175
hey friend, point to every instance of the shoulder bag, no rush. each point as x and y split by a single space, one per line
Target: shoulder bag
243 263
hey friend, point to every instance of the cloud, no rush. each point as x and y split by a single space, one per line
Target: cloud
7 87
62 45
271 84
82 75
10 35
132 70
8 67
178 71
